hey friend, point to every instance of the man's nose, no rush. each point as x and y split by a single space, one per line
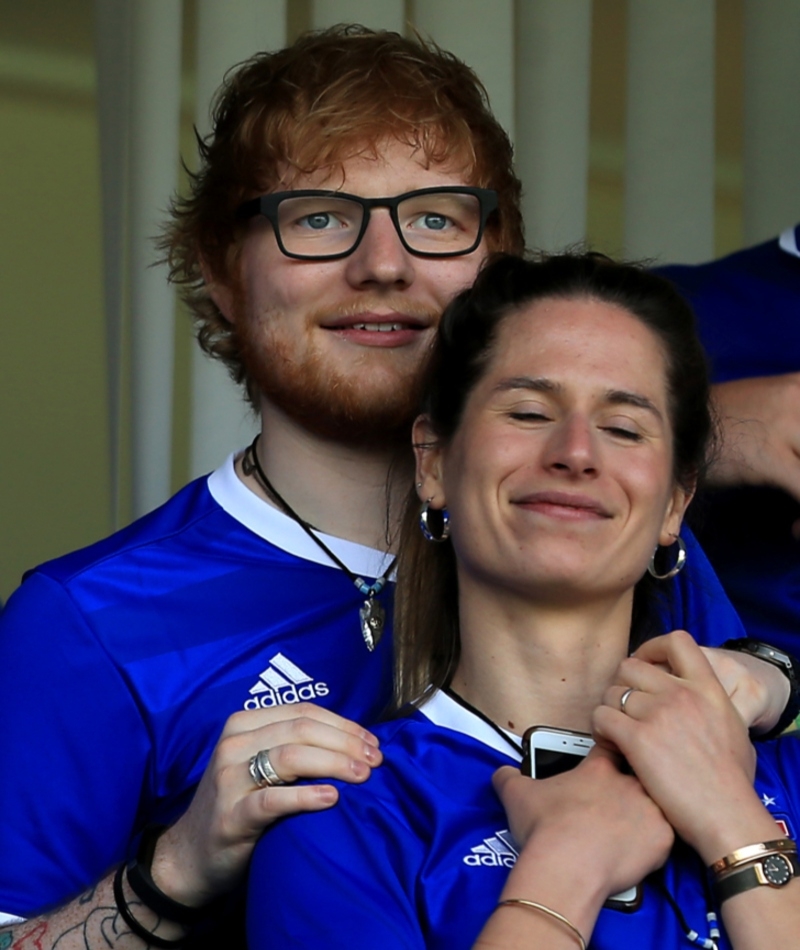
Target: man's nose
380 258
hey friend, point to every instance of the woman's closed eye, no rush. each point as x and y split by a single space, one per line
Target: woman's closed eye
628 433
529 415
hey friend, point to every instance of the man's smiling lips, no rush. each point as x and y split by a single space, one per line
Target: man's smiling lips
564 505
377 329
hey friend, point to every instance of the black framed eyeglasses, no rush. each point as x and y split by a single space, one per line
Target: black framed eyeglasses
313 225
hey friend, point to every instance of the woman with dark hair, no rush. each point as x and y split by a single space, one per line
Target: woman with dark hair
566 424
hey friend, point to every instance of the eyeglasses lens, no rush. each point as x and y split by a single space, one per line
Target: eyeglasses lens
433 223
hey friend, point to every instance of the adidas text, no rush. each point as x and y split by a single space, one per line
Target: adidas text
284 697
490 860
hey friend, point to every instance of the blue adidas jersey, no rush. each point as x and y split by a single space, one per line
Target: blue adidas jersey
748 312
416 858
119 665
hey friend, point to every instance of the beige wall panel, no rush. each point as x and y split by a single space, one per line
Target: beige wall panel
481 32
54 489
772 118
553 47
376 14
669 170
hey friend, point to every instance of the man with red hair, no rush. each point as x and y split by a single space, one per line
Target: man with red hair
353 183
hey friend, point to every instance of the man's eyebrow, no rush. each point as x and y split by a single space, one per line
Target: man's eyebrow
541 384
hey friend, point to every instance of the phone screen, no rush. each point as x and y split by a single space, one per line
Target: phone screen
549 762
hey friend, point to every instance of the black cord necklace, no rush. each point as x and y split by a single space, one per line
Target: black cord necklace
449 691
371 612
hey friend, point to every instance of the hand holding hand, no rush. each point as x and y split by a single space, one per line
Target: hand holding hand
684 740
208 848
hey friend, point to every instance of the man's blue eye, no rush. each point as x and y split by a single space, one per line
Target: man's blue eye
318 221
436 222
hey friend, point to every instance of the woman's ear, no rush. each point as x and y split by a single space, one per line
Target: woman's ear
428 453
676 509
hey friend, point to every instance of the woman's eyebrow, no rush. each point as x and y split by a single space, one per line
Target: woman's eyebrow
621 397
539 384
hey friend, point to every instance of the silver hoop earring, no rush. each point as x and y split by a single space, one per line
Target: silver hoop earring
679 564
436 528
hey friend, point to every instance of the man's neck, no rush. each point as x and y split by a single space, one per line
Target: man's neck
341 490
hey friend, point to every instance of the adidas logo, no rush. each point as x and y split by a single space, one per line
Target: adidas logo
282 683
497 851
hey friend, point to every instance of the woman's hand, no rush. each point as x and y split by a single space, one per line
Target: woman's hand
208 848
583 835
687 745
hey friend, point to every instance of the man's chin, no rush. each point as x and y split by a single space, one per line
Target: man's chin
356 429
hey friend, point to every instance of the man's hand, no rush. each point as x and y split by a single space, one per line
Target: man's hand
760 423
758 690
205 852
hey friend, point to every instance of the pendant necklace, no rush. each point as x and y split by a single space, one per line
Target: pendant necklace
371 612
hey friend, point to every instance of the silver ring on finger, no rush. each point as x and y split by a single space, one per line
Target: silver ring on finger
263 772
623 700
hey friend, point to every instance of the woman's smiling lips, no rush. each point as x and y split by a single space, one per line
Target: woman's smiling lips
563 505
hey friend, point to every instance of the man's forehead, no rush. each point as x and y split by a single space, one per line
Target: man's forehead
391 163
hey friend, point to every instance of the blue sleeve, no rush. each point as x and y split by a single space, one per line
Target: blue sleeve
698 602
74 752
343 878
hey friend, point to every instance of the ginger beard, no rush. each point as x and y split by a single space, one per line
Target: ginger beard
371 403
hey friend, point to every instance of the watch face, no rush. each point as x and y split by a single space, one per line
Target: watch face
777 870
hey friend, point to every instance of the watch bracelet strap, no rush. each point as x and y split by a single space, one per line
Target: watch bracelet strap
746 878
792 709
149 893
151 939
753 852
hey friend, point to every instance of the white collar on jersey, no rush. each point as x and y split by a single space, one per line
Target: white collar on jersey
790 240
448 714
274 526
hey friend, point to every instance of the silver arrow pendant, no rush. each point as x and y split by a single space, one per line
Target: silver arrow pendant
373 619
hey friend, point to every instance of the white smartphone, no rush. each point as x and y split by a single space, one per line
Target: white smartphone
548 752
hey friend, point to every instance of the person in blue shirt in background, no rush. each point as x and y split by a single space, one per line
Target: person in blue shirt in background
748 311
565 427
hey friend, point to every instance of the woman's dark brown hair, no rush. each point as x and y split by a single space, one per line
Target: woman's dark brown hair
426 599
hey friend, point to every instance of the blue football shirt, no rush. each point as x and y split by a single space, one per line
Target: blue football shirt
416 858
120 664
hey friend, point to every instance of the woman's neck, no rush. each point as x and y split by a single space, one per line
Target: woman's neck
525 665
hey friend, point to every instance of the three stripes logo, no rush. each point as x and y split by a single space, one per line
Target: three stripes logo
497 851
283 683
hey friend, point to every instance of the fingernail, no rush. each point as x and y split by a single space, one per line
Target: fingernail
371 754
326 794
359 769
372 740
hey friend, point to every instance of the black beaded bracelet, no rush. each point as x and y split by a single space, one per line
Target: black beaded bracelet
145 888
142 932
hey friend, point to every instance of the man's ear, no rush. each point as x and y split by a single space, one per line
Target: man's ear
428 452
221 293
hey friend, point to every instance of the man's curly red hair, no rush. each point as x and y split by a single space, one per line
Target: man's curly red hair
330 96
